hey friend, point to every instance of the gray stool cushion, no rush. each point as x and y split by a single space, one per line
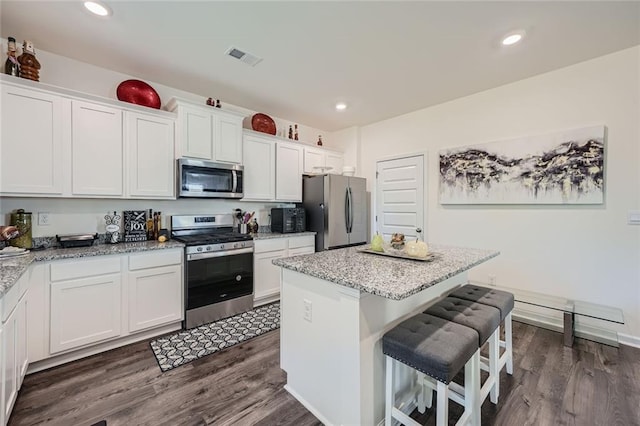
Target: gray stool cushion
432 345
502 300
482 318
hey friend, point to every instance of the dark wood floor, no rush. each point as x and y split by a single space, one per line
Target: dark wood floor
589 384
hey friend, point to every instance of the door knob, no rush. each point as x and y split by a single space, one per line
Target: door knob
419 230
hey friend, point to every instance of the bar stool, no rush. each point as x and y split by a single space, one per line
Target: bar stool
439 349
502 300
485 320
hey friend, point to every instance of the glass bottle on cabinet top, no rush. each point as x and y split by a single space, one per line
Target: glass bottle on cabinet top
11 66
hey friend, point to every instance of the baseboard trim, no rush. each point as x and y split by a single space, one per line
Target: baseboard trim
629 340
307 405
266 298
77 354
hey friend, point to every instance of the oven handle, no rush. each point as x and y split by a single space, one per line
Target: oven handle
199 256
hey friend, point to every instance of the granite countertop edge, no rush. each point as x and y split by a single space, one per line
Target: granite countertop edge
304 264
272 235
11 269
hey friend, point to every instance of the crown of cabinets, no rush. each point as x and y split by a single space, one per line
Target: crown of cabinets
207 133
57 144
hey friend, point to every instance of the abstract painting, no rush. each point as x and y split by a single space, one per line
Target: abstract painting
560 168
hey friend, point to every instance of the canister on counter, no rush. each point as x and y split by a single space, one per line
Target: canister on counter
22 220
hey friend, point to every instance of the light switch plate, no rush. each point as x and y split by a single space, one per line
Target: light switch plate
634 217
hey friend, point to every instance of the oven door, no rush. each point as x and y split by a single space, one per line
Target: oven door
205 179
219 276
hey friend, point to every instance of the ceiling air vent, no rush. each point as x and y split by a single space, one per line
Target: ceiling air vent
245 57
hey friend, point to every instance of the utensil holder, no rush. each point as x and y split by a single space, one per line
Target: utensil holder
242 228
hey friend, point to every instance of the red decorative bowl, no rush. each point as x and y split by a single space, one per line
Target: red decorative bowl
263 123
139 93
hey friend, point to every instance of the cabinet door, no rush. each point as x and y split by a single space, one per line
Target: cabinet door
313 158
96 149
22 359
196 135
84 311
155 297
150 156
259 160
37 313
267 275
288 172
9 364
335 161
228 138
30 142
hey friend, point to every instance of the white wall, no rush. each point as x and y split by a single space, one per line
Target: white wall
585 252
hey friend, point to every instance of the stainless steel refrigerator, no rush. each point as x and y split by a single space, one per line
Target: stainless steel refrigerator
336 209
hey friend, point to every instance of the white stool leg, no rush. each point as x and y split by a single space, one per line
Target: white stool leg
508 343
494 364
472 384
389 393
422 394
442 411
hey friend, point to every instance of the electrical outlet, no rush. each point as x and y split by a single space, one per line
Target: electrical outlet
492 280
43 219
307 310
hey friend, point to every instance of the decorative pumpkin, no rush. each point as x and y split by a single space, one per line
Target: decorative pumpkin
416 248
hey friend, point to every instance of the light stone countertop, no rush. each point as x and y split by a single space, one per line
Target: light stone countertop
12 268
271 235
385 276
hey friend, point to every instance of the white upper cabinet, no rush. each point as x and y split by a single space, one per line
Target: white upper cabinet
227 137
61 143
335 160
149 159
288 172
96 149
195 132
317 160
259 160
31 142
207 133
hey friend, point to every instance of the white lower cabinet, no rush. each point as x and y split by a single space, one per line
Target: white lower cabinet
74 305
155 290
13 347
266 274
85 311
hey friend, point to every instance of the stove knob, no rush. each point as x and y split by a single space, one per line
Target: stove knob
237 245
208 248
242 244
199 249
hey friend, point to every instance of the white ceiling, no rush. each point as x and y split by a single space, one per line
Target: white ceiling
383 58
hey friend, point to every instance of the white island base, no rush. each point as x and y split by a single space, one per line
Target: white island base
331 346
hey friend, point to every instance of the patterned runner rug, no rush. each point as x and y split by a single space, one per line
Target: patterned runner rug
185 346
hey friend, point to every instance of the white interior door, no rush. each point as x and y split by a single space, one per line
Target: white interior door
400 197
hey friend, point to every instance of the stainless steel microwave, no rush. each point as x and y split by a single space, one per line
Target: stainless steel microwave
205 179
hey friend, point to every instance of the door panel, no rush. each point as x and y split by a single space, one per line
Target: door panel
359 199
400 196
336 210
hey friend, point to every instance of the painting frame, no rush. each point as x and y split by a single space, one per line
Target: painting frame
561 168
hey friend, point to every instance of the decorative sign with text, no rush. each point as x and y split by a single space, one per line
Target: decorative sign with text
135 225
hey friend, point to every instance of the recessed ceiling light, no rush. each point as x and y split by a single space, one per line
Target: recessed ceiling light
97 8
512 38
341 106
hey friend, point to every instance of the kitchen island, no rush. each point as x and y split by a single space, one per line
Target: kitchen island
335 307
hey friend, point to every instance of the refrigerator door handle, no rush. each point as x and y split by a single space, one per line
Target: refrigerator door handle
350 224
346 210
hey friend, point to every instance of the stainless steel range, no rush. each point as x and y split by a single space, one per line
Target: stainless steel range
219 268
